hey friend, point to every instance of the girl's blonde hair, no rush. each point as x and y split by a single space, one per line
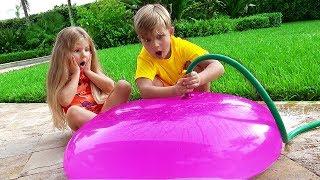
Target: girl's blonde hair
59 74
151 16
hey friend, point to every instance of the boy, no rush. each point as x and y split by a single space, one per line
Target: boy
163 58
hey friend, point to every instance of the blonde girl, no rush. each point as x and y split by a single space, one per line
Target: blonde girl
77 90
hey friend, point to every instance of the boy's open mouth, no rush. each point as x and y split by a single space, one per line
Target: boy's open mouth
82 63
159 53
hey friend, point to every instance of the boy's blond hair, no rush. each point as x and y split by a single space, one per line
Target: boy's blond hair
151 16
58 74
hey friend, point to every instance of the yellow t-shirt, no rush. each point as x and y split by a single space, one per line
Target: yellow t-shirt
169 70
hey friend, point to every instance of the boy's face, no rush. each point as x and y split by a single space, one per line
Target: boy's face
157 43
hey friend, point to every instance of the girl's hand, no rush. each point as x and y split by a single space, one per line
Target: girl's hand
192 80
181 87
87 66
73 66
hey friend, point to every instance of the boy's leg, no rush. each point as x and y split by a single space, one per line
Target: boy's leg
203 88
119 95
198 69
77 116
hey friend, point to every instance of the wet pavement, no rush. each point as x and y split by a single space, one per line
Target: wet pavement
30 148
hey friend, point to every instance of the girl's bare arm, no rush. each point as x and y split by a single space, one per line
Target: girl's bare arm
103 82
68 92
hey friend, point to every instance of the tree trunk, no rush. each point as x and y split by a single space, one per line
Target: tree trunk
70 13
25 6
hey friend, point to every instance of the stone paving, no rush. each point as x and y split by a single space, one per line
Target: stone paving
30 148
6 67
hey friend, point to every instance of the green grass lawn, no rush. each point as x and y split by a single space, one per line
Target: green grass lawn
286 60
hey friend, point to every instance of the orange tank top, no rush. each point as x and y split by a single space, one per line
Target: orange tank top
84 97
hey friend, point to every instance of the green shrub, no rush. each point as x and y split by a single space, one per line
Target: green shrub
202 9
42 33
175 7
203 27
11 40
236 8
292 10
12 23
16 56
108 22
251 22
259 21
17 36
275 19
63 11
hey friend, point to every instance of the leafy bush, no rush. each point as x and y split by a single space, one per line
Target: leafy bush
224 24
293 10
10 40
213 26
202 9
236 8
203 27
275 19
252 22
12 23
41 34
63 11
16 36
108 22
15 56
175 7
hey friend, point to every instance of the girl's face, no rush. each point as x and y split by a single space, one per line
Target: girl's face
81 52
157 43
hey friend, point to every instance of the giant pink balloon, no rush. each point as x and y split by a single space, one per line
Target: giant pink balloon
205 136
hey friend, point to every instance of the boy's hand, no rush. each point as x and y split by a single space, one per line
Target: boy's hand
74 67
181 88
192 80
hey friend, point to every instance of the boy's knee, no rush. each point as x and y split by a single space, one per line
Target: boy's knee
203 88
123 87
197 69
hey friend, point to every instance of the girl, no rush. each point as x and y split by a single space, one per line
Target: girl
77 90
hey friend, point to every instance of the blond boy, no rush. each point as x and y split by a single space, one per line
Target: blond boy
163 58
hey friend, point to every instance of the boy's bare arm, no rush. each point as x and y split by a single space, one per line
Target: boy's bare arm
148 90
212 70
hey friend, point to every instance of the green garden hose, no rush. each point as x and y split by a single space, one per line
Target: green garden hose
286 137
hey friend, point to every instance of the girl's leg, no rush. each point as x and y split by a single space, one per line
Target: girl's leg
119 95
77 116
